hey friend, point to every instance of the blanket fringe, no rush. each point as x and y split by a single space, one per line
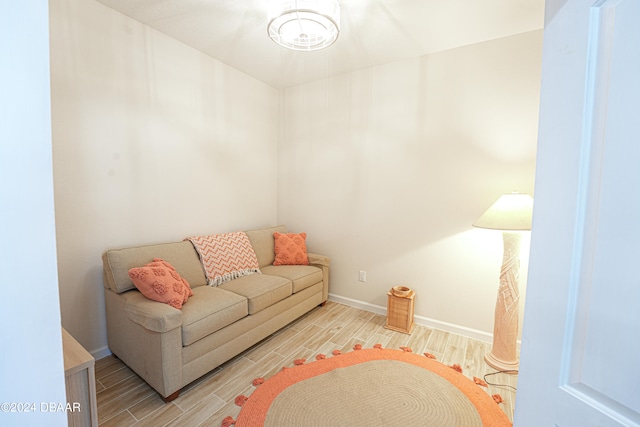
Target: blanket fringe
219 280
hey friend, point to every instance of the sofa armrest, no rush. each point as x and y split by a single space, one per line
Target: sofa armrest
319 260
322 262
152 315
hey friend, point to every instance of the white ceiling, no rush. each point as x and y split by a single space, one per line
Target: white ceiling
373 32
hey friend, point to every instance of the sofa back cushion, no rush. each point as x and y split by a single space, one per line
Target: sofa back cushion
263 244
181 255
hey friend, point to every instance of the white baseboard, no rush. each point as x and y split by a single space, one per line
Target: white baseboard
101 352
420 320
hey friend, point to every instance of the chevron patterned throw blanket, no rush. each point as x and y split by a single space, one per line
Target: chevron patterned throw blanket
226 256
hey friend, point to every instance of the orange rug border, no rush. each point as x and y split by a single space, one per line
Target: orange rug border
254 411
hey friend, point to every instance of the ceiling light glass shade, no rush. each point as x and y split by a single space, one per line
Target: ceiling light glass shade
511 212
304 25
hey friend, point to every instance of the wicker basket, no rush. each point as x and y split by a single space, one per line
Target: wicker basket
401 291
400 309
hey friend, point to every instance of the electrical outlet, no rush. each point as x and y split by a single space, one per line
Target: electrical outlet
362 276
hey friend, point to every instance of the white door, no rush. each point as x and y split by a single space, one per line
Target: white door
580 363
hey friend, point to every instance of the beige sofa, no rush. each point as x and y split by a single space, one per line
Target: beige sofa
169 348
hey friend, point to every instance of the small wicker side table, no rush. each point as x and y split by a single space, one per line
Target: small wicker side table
400 309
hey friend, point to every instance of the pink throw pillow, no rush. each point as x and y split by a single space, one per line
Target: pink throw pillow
290 249
159 281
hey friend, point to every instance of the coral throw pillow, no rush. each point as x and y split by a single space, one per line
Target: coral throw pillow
291 249
159 281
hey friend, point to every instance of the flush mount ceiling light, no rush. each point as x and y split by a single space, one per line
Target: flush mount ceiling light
304 25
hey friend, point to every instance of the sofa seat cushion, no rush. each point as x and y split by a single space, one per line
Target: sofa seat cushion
302 276
260 290
208 310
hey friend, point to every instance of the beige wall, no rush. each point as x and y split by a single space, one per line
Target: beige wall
386 168
152 142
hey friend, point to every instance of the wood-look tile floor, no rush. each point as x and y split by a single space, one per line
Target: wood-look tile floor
124 399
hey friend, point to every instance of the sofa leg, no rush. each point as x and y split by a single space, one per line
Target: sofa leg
323 303
171 397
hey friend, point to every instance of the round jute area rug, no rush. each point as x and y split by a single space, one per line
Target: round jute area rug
373 387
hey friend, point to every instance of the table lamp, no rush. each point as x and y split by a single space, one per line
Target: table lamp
511 214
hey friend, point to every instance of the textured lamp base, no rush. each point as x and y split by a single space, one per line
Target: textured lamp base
501 365
503 355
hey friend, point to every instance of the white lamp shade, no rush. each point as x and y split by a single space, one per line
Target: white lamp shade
511 212
304 25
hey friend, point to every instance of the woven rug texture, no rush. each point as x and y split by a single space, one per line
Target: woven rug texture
372 387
